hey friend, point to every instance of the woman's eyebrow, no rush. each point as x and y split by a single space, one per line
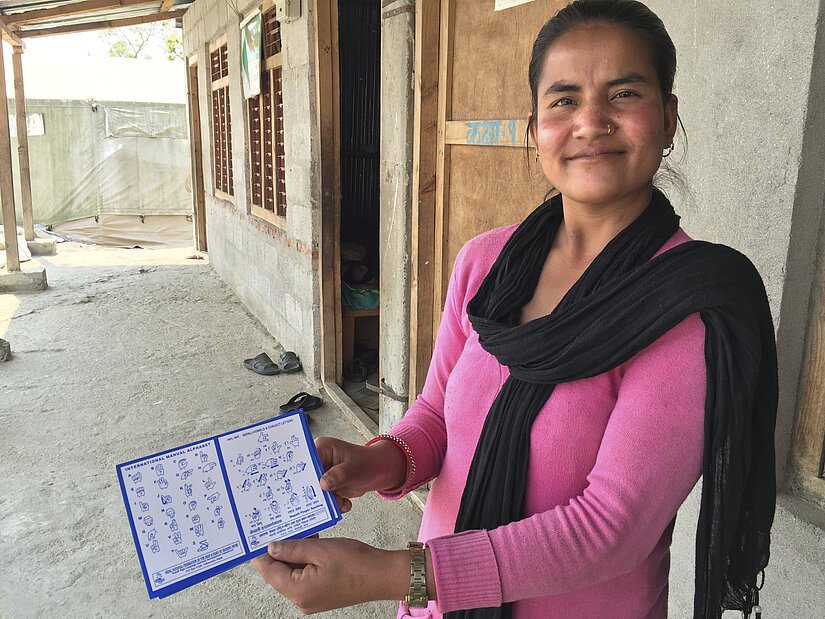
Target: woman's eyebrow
557 87
630 78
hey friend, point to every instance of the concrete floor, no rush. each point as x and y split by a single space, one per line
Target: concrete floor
128 353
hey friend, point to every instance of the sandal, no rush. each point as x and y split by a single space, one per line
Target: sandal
302 400
290 362
262 364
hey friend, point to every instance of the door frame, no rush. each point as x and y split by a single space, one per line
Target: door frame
196 152
428 149
807 455
327 96
327 83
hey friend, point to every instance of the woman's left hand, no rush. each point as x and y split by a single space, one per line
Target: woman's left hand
322 574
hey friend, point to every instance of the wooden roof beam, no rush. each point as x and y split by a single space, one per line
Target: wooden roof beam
8 35
101 25
66 10
166 6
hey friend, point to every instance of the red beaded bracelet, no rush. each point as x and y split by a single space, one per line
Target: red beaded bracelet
407 452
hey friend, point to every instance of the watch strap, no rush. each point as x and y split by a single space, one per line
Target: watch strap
417 597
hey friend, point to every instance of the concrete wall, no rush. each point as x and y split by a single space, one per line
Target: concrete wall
754 168
397 64
274 271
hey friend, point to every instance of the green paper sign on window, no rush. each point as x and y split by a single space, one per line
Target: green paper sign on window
251 55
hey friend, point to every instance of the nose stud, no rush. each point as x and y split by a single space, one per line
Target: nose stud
611 129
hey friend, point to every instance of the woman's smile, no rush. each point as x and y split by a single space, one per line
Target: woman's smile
595 153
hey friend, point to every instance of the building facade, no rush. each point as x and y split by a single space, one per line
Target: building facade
452 161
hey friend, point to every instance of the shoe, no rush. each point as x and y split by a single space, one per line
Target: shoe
290 362
262 364
302 400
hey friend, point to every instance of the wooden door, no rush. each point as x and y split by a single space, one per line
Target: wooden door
197 155
486 175
474 171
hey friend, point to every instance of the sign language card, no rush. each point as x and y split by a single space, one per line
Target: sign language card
203 508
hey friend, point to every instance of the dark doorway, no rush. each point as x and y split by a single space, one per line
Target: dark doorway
359 44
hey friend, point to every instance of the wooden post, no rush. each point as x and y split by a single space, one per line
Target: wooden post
22 144
425 153
6 179
328 118
196 152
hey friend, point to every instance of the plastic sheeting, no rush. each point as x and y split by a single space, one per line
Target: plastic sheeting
98 158
124 122
150 232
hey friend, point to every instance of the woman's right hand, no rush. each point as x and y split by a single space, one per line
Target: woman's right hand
353 470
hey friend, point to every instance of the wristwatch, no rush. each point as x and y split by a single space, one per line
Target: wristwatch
417 597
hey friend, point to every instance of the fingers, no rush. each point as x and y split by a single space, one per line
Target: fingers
280 572
328 573
343 478
296 551
344 504
324 447
343 475
262 562
279 575
330 450
333 478
337 458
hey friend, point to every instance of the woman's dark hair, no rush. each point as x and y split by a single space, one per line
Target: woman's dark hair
628 14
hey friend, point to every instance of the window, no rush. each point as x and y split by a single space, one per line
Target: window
221 121
266 130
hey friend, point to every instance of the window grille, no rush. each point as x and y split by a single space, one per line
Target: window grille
221 120
265 112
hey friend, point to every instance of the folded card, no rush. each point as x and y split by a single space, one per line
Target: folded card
203 508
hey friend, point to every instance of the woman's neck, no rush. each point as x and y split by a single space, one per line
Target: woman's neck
587 228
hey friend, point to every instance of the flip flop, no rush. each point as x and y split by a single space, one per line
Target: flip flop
302 400
262 364
290 362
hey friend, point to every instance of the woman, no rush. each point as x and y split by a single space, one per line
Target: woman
591 364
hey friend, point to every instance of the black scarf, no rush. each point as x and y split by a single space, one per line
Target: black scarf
623 302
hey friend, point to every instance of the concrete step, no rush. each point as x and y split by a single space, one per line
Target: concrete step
26 280
42 247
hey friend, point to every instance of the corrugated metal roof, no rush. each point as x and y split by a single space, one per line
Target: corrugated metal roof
88 18
43 17
17 5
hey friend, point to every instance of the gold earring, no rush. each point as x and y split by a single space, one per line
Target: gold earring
669 150
537 154
611 129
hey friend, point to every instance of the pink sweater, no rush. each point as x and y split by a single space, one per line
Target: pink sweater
611 460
